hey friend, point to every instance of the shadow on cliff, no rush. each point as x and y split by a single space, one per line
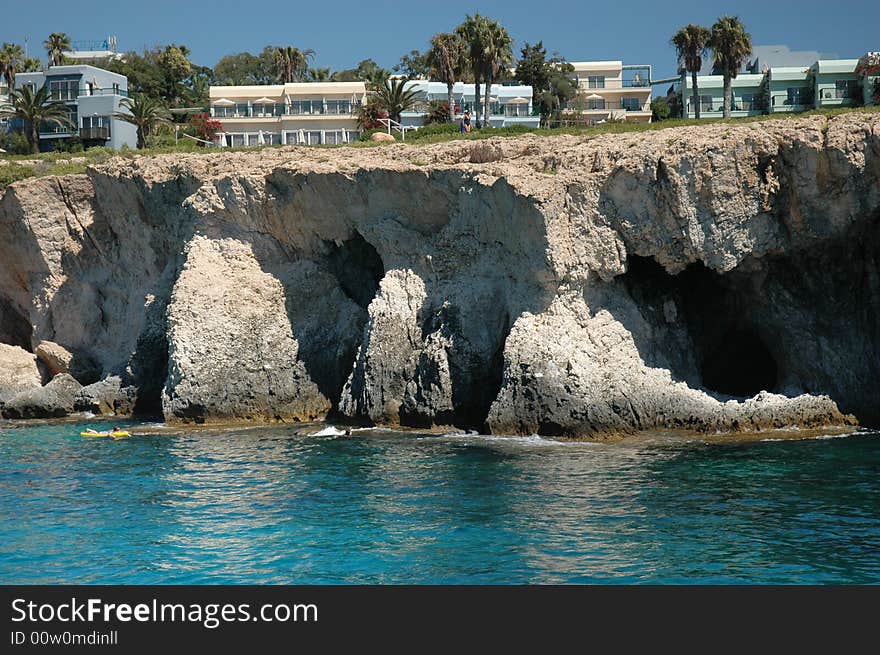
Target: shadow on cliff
804 322
479 251
117 279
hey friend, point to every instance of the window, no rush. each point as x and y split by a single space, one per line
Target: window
238 139
746 102
705 103
794 95
846 88
291 138
339 106
116 89
264 109
631 104
313 138
596 81
63 89
332 138
596 104
306 107
520 109
95 121
353 135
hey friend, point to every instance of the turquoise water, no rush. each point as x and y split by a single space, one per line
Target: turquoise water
267 506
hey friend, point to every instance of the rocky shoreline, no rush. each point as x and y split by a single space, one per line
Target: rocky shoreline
717 278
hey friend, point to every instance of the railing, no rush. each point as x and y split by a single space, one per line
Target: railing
389 123
265 111
70 95
94 133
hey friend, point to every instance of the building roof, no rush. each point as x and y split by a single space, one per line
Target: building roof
717 81
836 65
788 73
586 66
292 89
772 56
461 88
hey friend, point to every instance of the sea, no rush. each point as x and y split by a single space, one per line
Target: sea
308 504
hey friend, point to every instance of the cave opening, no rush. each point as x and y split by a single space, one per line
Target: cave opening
730 355
358 267
15 329
739 365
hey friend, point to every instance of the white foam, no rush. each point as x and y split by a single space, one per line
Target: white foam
329 431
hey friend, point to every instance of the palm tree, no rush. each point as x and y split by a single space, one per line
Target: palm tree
472 32
56 45
690 43
144 112
730 44
319 75
446 59
394 99
34 109
291 63
498 56
11 62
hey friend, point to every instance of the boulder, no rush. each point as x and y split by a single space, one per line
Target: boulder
59 359
382 136
55 400
107 397
18 372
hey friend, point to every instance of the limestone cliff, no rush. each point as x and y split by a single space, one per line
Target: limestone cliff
716 277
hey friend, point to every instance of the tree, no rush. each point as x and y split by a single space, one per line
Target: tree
34 109
198 86
472 32
175 68
31 65
395 99
446 61
145 113
319 75
413 65
291 63
498 56
11 60
691 43
550 79
245 68
56 45
730 44
660 109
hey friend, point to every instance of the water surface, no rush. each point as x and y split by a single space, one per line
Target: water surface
265 505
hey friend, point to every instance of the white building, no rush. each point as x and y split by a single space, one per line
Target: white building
612 90
308 113
508 104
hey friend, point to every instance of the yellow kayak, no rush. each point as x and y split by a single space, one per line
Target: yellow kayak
108 433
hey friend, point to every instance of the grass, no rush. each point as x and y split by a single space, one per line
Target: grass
59 163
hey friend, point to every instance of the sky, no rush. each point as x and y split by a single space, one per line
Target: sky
343 32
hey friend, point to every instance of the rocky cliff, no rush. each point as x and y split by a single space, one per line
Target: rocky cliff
717 277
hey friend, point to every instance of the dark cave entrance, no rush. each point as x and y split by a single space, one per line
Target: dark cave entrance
358 267
740 365
731 353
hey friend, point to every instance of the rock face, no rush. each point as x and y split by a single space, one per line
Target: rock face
711 278
58 359
54 400
18 372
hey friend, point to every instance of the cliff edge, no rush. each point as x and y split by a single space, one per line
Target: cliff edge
714 278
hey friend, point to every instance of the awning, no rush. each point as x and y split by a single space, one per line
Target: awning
594 96
263 101
224 101
518 101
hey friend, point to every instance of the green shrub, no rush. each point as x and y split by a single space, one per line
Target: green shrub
432 130
14 143
366 134
12 172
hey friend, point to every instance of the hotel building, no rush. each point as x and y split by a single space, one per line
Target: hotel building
93 97
309 113
612 90
509 104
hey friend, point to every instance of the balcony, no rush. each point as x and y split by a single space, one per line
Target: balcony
95 133
70 95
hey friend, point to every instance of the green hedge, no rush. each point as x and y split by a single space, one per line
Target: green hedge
11 172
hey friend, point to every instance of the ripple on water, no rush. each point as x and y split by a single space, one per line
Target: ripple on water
276 505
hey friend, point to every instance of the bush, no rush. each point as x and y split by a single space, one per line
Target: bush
438 112
432 130
12 172
15 143
366 134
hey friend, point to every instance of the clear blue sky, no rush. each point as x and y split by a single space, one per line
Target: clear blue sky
343 32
